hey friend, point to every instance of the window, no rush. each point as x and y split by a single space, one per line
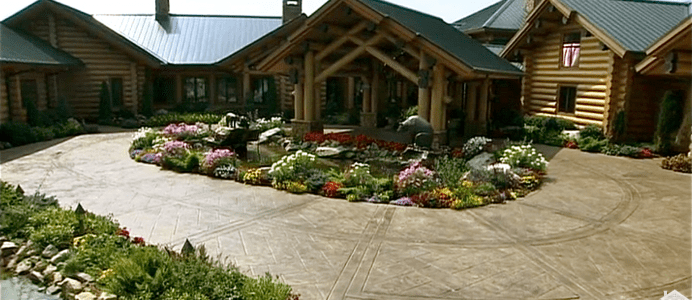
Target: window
164 90
570 50
196 89
264 90
116 91
227 90
568 99
29 92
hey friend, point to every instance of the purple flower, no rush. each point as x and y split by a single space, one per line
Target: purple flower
134 153
404 201
213 156
175 148
151 158
181 130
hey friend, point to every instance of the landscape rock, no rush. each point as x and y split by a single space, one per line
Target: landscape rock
36 277
25 250
85 296
40 265
264 171
60 257
13 262
50 251
23 267
107 296
481 161
3 239
71 285
84 277
50 269
57 278
8 248
267 135
53 289
291 147
328 151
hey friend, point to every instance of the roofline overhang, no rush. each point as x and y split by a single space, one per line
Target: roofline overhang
489 29
599 33
664 45
89 23
284 28
376 17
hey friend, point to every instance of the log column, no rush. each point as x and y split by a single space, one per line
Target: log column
298 101
483 106
350 93
471 99
366 115
246 86
437 109
423 90
307 118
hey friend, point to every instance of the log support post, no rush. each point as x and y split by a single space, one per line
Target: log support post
308 120
350 93
471 104
423 90
437 106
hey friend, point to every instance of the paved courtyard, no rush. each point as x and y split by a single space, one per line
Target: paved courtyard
600 228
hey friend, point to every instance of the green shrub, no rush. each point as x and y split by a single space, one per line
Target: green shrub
187 118
485 189
43 133
450 170
17 133
145 272
592 131
621 150
265 288
190 162
669 119
679 163
590 144
53 226
96 253
409 112
105 113
465 198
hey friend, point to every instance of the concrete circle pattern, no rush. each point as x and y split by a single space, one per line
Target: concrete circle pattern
600 228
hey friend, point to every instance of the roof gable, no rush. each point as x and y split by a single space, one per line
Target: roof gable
635 24
23 48
623 25
478 19
445 36
192 40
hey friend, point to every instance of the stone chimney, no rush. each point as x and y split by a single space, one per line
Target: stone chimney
162 10
292 9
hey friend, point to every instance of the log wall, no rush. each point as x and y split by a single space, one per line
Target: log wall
544 76
81 86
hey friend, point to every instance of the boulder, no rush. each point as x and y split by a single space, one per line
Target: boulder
85 296
292 147
481 161
269 134
107 296
71 285
36 277
50 251
3 238
8 248
23 267
328 151
50 269
53 289
40 265
84 277
60 257
25 250
12 263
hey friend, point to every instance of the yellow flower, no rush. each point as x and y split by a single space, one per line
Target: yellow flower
106 273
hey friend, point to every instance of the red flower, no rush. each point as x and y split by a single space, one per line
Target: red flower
646 153
123 232
331 189
138 241
571 145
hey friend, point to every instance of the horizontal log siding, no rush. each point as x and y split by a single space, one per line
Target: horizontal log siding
81 86
544 76
4 109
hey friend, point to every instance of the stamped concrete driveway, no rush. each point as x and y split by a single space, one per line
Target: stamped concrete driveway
600 228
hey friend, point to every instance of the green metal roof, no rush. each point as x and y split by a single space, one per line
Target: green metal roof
445 36
478 19
17 47
635 24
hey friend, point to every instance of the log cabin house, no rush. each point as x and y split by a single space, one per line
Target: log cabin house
495 25
178 60
579 58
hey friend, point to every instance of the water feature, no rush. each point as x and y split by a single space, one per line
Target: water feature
22 289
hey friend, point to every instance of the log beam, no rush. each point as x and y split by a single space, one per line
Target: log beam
347 58
340 41
395 65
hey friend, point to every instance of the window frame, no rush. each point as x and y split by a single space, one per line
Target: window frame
565 41
196 98
559 104
222 95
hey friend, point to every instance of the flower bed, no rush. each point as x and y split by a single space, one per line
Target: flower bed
460 179
81 255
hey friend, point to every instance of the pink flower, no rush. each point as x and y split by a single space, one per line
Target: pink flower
213 156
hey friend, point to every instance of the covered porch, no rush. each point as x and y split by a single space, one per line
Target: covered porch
381 51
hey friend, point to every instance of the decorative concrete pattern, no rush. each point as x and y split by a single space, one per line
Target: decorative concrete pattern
600 228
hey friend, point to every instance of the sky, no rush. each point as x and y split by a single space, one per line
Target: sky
448 10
